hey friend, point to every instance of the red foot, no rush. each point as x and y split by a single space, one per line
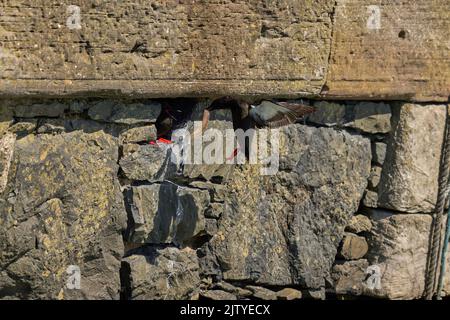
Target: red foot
160 140
235 152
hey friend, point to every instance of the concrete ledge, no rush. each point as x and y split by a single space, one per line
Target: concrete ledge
345 49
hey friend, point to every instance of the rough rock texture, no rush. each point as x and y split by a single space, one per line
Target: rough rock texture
149 162
62 206
409 180
398 247
349 277
220 120
289 294
371 117
236 291
230 47
262 293
52 110
359 223
164 47
73 170
402 55
367 117
138 135
353 247
160 273
285 229
370 199
218 295
126 113
164 213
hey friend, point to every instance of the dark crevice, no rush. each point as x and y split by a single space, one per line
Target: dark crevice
125 281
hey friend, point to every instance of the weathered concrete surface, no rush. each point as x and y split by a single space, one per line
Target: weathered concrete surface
409 179
257 47
61 206
173 41
404 55
398 247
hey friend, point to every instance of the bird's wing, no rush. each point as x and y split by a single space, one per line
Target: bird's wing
274 115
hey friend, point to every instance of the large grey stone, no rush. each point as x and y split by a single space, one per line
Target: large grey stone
367 117
371 117
125 112
149 162
285 229
409 180
40 109
398 254
157 273
62 207
328 114
164 162
221 121
138 134
164 213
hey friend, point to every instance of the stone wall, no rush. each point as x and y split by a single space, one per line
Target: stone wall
347 214
83 192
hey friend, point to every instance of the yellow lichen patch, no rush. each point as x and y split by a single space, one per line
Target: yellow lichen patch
246 185
61 295
246 192
54 239
43 155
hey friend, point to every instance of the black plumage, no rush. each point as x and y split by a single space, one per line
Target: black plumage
174 115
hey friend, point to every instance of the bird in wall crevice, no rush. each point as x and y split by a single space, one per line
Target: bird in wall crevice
175 114
266 114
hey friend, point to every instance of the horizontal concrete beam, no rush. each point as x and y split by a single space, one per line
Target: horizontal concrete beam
345 49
